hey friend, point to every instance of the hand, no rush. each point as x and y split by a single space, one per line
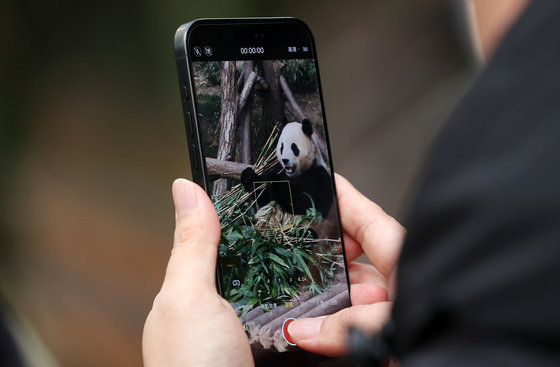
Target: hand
367 228
190 324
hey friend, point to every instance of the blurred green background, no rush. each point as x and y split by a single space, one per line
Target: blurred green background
92 137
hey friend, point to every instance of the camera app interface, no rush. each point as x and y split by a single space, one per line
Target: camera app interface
262 134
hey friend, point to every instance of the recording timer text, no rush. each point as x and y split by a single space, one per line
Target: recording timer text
251 50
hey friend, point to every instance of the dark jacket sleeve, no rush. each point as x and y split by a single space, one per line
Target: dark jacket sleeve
479 275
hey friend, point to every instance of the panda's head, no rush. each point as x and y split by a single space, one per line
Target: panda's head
296 151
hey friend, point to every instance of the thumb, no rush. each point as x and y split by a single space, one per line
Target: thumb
197 233
328 335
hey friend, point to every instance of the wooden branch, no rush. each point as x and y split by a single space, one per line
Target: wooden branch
295 108
242 77
225 169
289 108
247 89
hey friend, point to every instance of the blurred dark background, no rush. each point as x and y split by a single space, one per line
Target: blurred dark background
92 136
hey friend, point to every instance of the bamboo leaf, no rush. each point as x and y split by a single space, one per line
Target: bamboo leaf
303 265
278 260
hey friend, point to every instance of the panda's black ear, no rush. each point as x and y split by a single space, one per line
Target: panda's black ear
307 127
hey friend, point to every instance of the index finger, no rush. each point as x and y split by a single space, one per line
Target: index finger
366 225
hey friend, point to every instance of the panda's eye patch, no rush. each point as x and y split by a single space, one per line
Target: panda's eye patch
281 148
295 149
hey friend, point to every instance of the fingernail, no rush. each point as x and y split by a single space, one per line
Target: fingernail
184 196
305 328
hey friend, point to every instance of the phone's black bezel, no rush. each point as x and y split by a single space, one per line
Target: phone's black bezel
275 34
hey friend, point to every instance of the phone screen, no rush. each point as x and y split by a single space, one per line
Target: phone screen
261 131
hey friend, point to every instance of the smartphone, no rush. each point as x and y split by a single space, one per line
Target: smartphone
258 143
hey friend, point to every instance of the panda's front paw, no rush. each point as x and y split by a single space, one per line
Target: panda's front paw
248 176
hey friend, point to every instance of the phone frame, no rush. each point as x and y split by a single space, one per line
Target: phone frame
184 61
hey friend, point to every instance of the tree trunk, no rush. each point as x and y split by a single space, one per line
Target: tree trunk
246 113
273 108
226 143
246 119
225 169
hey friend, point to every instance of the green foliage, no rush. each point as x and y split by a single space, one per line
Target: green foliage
211 71
274 261
209 117
301 75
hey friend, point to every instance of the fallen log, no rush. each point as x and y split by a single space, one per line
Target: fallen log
328 307
262 317
264 334
258 316
225 169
